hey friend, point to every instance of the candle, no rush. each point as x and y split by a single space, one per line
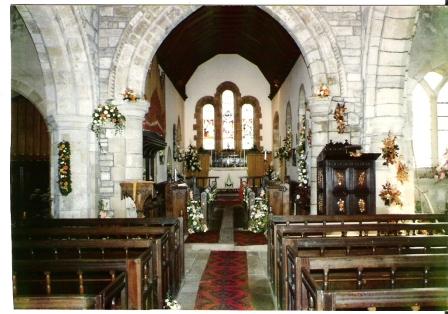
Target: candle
265 154
175 174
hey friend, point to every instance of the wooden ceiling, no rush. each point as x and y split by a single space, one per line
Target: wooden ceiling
244 30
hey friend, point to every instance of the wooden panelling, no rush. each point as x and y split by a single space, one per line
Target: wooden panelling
256 164
29 133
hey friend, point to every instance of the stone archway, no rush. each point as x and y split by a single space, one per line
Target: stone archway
150 25
68 99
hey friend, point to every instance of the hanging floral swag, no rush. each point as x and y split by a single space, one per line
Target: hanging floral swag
258 215
107 113
339 116
64 173
191 158
302 172
390 195
402 172
390 150
284 152
195 218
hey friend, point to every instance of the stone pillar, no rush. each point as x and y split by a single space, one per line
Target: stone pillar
80 203
319 109
121 157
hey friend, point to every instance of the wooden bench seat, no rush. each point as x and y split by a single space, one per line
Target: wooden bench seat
381 281
68 288
343 230
276 221
168 246
350 246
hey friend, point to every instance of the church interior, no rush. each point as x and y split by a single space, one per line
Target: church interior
226 157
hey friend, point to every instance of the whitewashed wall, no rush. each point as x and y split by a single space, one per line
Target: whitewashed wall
234 68
289 91
174 109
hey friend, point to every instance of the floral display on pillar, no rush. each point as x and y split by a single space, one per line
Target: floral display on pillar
390 195
64 170
302 172
284 152
130 95
107 113
339 116
324 91
390 150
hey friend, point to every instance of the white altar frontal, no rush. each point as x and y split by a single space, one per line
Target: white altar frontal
224 172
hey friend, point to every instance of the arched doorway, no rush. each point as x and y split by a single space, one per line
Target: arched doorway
30 161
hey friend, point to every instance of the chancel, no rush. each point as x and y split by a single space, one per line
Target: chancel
229 157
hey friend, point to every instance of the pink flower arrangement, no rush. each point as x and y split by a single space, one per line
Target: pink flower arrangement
442 169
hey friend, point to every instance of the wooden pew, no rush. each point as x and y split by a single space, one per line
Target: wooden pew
276 221
68 286
381 281
135 257
350 246
165 264
116 225
339 230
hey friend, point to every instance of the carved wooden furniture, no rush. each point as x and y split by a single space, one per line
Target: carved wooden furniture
345 180
176 201
278 198
138 190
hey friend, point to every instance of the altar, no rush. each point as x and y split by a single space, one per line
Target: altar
223 173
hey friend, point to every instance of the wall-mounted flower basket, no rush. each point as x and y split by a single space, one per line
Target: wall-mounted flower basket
130 95
64 170
390 195
104 114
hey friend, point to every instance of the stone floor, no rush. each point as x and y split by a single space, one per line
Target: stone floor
196 257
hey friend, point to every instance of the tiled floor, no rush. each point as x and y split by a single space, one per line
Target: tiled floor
196 257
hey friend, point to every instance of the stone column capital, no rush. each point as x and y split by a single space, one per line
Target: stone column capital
134 110
319 106
69 122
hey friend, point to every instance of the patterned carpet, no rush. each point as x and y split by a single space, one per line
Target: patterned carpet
243 238
224 283
211 236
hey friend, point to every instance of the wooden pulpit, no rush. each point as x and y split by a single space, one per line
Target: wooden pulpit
139 191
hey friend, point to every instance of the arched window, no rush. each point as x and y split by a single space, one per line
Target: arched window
247 114
430 119
442 121
208 126
421 110
228 120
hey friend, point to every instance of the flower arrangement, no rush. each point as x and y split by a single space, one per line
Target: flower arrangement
107 113
324 91
191 158
195 217
171 303
64 173
442 168
302 172
258 216
130 95
211 194
390 195
390 150
402 172
284 152
339 113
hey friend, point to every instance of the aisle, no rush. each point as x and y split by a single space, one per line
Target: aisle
197 256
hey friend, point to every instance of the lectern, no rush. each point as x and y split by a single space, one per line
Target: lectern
345 180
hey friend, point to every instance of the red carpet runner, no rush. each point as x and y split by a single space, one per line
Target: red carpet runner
243 238
224 283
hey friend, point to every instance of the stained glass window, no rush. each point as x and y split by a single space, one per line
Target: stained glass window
442 121
421 110
208 126
247 113
228 119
